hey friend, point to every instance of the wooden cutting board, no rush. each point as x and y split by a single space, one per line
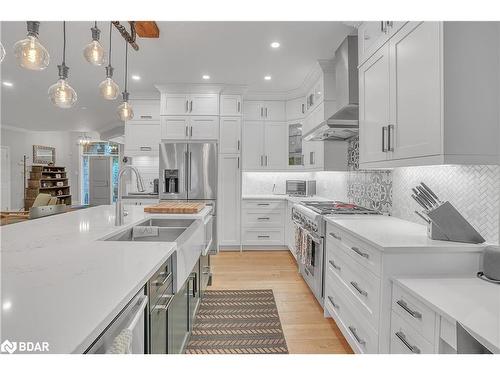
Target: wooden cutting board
175 208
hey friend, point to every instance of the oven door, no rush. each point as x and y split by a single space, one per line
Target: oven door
313 274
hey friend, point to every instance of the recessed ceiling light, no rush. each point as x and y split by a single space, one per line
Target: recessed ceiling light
7 84
83 107
136 77
275 44
205 76
267 78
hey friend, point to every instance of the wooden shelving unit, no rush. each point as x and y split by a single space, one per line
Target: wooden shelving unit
44 179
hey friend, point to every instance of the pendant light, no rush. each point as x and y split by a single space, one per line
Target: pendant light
2 52
61 94
29 52
125 111
108 88
93 52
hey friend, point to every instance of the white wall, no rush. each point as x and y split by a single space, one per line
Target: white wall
263 182
20 143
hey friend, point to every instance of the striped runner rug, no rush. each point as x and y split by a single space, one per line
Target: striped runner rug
237 322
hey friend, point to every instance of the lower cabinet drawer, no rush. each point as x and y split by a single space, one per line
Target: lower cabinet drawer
420 317
263 205
263 236
405 340
263 219
361 336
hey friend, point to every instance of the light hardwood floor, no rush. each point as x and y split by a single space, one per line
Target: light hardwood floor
306 329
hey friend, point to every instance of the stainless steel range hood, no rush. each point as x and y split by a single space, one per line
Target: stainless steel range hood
344 123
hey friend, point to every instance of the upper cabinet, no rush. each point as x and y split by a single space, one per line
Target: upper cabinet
426 96
373 34
142 138
230 105
190 127
264 145
146 110
270 110
296 109
230 135
190 104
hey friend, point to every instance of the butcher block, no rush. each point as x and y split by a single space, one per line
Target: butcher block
175 208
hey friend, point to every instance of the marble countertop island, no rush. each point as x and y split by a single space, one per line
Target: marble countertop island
63 285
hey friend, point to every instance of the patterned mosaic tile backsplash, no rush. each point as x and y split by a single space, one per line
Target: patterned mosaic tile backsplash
371 189
473 190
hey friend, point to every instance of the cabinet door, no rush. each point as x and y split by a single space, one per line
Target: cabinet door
295 109
230 135
415 63
229 200
295 156
274 110
374 106
204 104
178 321
175 104
371 36
313 154
230 105
146 110
175 127
253 150
142 136
253 110
204 127
275 138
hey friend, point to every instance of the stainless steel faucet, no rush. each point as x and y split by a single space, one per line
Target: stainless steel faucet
140 187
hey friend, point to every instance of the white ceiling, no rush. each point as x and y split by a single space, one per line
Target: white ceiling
230 52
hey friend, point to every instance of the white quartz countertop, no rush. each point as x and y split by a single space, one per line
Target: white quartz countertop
291 198
472 302
388 233
61 284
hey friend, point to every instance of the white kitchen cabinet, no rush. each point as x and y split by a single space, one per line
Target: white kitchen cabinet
141 138
193 104
263 224
271 110
230 135
264 145
275 134
296 109
372 35
431 63
175 127
374 108
146 110
230 105
190 127
203 127
253 145
229 200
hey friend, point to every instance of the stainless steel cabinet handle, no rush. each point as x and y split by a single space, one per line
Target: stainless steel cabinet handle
191 106
390 24
266 160
146 117
238 144
336 236
311 158
238 162
262 236
263 218
333 302
191 131
384 146
239 107
360 291
160 283
266 112
355 334
261 111
334 265
390 137
186 130
359 252
145 148
414 349
262 204
303 108
187 105
261 160
405 307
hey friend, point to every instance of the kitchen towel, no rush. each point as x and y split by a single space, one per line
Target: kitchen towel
122 343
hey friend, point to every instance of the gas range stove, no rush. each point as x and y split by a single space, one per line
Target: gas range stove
338 208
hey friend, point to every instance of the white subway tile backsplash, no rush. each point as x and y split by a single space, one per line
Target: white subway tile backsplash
148 167
263 182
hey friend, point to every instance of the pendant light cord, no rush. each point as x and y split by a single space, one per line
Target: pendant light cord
64 43
126 65
109 53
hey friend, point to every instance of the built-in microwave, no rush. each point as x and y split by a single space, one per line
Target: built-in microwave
301 188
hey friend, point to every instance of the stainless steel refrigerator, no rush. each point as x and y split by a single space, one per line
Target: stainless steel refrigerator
188 171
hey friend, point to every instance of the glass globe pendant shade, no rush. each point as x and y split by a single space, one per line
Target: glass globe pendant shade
94 53
2 52
109 89
125 111
61 94
29 52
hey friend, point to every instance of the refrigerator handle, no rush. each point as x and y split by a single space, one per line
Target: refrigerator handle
187 171
190 170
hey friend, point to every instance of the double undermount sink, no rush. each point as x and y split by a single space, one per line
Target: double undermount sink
169 230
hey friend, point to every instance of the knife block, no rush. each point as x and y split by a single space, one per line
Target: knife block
449 225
